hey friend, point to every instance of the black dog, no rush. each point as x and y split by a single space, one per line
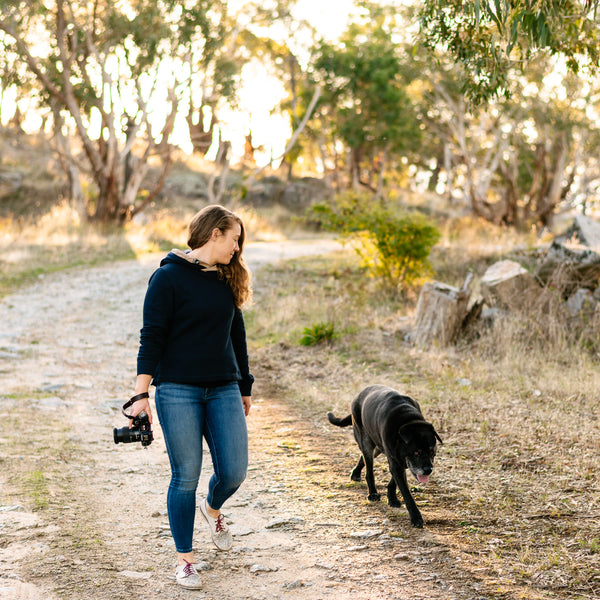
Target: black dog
385 421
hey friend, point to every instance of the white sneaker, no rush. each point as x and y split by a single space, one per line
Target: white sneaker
219 532
187 576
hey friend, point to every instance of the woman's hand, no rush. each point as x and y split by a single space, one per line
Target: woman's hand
139 406
142 385
247 400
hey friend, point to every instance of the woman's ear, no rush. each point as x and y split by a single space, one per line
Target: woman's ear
216 234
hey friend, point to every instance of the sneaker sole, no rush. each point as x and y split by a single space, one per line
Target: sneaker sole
189 587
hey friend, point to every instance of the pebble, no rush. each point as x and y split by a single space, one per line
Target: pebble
286 522
262 569
366 534
135 575
294 585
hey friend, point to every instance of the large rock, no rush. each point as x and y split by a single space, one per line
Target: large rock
581 303
296 195
265 192
301 194
584 231
10 182
507 284
569 267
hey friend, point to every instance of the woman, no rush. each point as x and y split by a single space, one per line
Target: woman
193 349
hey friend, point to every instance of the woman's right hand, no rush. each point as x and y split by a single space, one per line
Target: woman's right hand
142 385
139 406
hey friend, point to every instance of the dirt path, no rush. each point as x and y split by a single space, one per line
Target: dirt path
94 524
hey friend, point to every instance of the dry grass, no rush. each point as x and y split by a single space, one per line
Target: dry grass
32 246
517 485
516 491
57 240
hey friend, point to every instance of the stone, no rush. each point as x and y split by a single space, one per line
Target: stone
262 569
284 523
508 284
135 574
583 230
568 267
366 534
582 301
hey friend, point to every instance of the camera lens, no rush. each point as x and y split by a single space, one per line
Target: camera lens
124 435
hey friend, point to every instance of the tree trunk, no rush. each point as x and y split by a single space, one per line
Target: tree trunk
200 136
222 164
440 312
68 164
108 205
381 176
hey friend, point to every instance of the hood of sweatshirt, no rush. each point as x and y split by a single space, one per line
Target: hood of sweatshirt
183 257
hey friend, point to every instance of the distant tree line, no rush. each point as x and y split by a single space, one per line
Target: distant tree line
455 98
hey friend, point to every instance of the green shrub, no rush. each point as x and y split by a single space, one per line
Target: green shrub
318 333
391 244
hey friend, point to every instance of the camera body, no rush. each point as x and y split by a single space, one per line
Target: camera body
140 431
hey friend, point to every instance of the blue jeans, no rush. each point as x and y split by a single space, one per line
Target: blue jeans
188 413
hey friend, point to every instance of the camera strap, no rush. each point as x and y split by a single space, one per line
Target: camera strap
132 400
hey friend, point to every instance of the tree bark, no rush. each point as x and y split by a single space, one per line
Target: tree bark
440 312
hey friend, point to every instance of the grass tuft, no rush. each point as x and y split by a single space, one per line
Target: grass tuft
318 333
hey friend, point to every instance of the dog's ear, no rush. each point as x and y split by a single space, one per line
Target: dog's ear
435 433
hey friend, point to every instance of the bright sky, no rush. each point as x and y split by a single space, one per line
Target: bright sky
262 93
259 97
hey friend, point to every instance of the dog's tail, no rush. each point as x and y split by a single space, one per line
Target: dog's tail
345 422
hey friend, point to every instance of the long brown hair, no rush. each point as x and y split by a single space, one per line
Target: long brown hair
236 273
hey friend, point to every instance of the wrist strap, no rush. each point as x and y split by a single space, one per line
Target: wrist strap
135 399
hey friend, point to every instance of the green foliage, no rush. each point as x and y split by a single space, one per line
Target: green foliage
364 88
392 245
318 333
364 102
490 38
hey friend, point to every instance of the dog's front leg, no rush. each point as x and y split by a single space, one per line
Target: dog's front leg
391 494
399 474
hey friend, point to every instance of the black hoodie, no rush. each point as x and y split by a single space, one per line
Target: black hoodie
192 331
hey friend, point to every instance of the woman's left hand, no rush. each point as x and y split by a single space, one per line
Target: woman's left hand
247 400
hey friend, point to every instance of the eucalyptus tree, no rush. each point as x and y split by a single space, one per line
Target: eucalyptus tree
214 50
115 75
490 38
285 53
9 74
516 161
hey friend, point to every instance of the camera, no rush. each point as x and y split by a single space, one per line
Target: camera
140 431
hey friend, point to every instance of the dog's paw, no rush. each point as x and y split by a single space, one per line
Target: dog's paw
374 497
355 476
417 522
394 502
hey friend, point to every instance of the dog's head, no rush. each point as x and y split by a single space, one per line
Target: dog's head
418 442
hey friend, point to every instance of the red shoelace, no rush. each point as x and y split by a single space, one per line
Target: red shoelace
219 527
188 569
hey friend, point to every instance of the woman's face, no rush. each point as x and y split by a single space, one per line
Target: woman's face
226 244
